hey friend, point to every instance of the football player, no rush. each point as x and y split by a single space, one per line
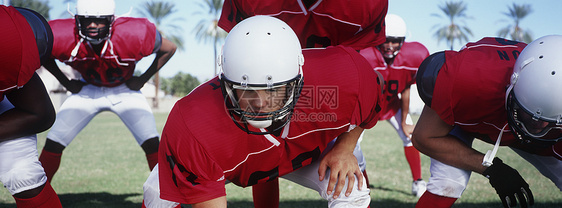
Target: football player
318 24
398 62
104 49
501 92
272 112
25 106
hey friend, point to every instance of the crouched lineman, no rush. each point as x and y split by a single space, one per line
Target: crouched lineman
25 106
258 124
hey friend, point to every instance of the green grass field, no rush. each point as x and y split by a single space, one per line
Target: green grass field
104 167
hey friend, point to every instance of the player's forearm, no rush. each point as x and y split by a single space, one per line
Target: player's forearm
431 137
54 69
32 112
452 151
348 140
166 52
405 107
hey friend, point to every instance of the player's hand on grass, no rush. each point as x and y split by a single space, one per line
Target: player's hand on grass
509 185
75 86
342 164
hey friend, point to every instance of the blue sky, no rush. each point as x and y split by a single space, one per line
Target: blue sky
485 20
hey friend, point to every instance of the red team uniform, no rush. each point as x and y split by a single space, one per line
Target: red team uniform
192 153
105 75
19 55
469 92
109 70
357 24
399 75
25 107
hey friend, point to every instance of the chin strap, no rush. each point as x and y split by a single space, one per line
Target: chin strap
489 157
75 50
108 42
105 46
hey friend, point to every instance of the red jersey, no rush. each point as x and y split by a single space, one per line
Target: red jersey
19 56
202 147
358 24
399 75
471 87
131 40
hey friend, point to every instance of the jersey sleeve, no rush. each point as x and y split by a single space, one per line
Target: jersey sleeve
414 53
230 16
187 173
367 110
139 34
471 84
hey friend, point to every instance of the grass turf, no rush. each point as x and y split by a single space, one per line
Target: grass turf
104 167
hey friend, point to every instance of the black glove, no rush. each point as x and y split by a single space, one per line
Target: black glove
509 184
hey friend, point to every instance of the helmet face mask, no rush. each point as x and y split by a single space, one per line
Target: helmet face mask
532 101
390 48
395 36
261 74
531 127
279 100
99 12
98 33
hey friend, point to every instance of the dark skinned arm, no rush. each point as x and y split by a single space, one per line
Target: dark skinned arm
73 86
431 137
405 99
33 111
166 52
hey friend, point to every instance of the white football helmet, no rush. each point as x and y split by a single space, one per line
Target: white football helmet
533 98
261 53
94 10
395 32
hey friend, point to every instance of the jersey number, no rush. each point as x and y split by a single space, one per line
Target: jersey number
274 173
314 41
113 75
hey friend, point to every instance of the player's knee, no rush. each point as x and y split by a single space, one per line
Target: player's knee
23 176
357 198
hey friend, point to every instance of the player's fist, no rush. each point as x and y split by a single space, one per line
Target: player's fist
74 86
135 83
509 185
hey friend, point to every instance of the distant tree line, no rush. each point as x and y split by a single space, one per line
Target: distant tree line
179 85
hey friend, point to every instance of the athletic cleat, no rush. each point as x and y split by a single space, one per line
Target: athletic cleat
418 187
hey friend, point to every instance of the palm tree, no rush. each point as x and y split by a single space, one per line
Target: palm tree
207 29
159 12
40 6
516 14
455 12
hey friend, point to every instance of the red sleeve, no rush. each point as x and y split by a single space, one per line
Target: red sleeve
474 78
138 33
187 173
19 56
367 110
228 15
413 54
